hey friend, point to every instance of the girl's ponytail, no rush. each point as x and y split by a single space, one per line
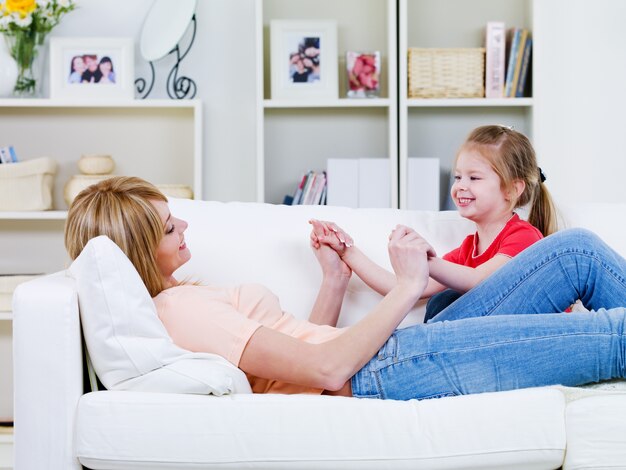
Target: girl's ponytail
542 210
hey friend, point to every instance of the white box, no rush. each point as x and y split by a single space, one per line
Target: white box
374 184
343 182
423 184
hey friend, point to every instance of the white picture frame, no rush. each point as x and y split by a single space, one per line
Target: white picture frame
304 59
71 80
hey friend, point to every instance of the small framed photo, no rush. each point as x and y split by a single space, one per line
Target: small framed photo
85 68
303 59
363 69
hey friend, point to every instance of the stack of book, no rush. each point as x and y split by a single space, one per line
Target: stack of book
8 155
310 191
508 63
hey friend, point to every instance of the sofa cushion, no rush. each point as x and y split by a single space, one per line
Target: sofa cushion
596 432
128 345
522 429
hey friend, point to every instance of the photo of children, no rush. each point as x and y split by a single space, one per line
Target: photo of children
90 68
304 60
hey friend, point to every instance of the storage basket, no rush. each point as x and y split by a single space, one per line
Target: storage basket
446 73
27 186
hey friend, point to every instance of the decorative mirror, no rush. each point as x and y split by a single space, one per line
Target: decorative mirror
164 27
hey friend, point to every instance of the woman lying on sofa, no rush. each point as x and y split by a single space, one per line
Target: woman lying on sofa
281 354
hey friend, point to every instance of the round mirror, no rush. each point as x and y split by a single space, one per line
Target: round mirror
164 26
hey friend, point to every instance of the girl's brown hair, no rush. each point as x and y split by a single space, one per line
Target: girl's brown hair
512 157
120 208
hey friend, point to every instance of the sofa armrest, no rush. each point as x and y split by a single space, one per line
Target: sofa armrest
48 371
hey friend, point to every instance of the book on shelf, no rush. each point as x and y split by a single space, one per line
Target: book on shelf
520 90
297 196
513 48
8 155
495 45
518 62
310 190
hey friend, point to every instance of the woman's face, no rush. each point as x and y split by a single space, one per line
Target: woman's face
172 251
105 67
78 64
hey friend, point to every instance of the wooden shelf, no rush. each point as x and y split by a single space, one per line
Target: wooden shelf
6 316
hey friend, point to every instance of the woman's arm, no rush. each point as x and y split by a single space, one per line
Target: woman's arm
463 278
270 354
335 277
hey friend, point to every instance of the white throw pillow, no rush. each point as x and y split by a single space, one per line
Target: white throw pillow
128 345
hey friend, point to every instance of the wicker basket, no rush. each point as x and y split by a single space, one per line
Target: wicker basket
27 186
446 73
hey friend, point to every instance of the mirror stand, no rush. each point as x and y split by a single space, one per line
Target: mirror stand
177 87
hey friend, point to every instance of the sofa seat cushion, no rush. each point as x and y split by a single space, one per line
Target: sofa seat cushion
596 432
135 430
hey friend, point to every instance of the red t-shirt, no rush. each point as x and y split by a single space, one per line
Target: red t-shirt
516 236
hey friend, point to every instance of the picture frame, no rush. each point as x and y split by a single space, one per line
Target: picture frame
304 59
92 68
363 74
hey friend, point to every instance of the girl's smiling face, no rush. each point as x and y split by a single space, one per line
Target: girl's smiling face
476 190
172 251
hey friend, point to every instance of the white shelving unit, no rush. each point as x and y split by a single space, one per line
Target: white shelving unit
294 136
6 451
159 140
437 127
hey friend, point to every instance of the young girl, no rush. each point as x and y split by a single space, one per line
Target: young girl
495 172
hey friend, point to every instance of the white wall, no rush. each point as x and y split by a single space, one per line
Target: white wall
221 62
580 98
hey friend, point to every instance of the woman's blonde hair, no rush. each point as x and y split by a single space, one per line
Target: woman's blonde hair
120 208
512 157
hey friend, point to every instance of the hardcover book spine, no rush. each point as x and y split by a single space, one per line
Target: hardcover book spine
523 75
495 44
521 44
512 59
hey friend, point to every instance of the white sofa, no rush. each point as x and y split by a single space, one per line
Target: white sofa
59 425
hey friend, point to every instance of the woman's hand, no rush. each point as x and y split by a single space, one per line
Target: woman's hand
408 253
327 244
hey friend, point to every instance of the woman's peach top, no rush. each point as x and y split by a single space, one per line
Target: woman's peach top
222 320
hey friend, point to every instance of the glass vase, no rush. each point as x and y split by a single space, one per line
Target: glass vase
26 48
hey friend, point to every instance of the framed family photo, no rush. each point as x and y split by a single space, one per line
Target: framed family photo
85 68
304 59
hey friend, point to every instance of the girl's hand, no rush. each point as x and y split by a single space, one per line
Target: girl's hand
323 242
330 234
408 253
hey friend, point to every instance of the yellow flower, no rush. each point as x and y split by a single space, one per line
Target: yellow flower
23 7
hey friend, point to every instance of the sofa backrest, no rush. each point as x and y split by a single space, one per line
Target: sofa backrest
233 243
240 242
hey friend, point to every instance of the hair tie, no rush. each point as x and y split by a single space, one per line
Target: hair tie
542 177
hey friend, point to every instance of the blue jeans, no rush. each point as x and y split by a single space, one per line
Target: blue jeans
499 349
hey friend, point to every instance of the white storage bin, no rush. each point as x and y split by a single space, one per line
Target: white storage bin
27 186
